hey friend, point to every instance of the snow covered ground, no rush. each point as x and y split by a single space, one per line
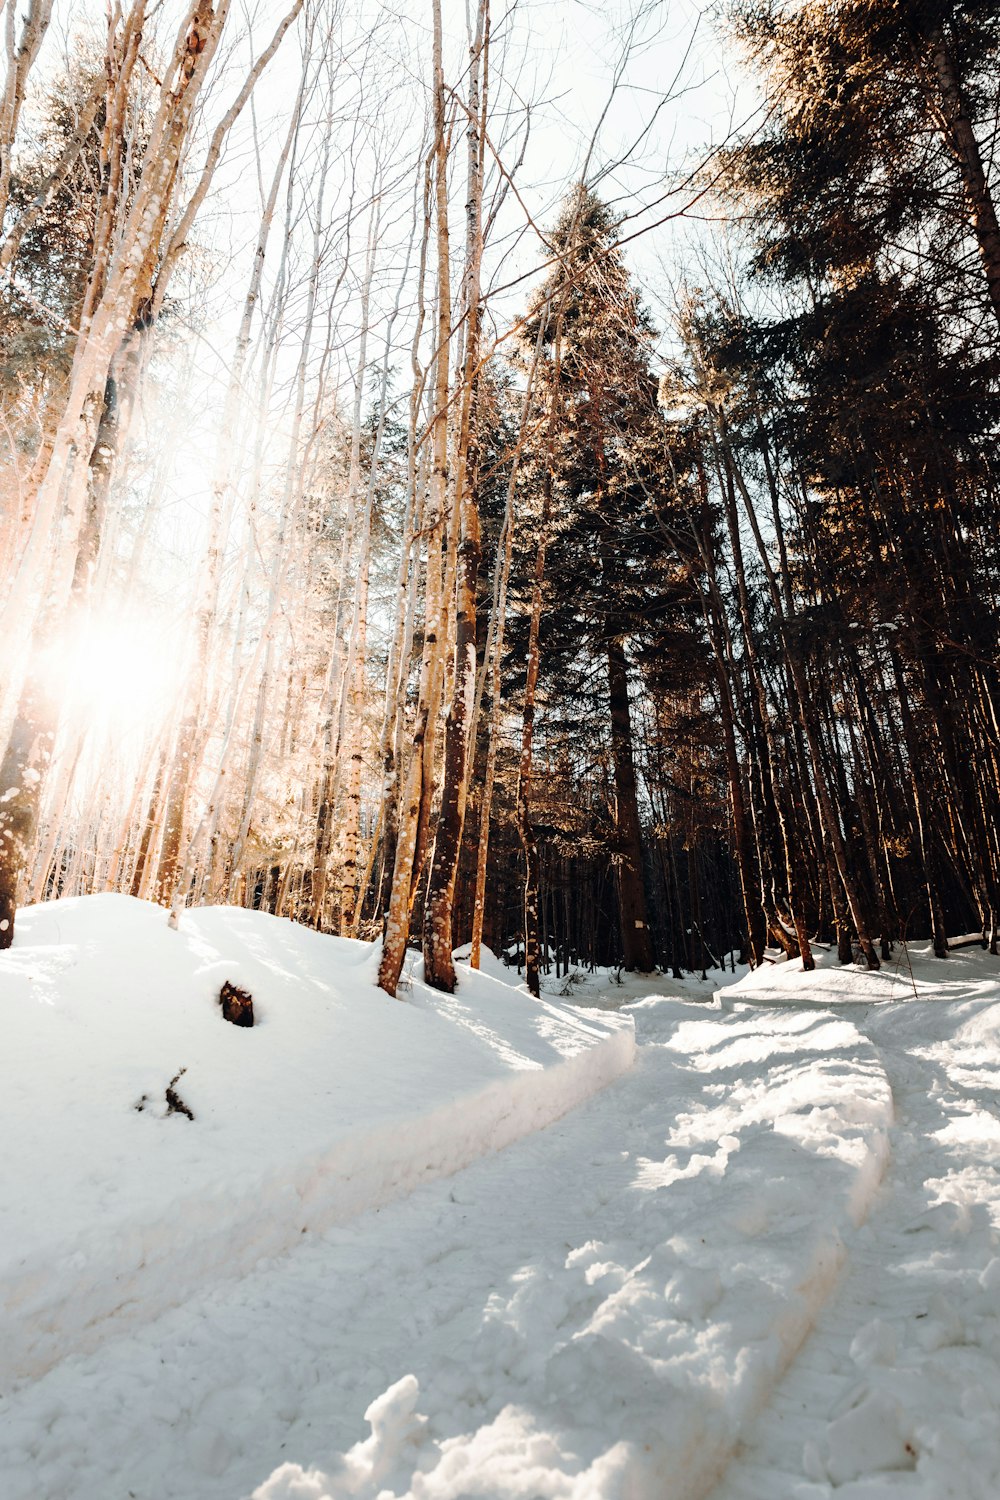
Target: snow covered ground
897 1392
113 1208
798 1177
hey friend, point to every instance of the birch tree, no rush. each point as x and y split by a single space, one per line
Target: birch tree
438 941
130 238
413 830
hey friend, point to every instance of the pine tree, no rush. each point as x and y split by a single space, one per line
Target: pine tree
604 469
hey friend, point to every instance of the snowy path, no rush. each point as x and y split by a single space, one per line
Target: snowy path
595 1311
898 1390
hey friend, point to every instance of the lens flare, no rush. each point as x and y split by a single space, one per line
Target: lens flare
116 672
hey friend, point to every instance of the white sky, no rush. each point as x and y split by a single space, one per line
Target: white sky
556 59
676 94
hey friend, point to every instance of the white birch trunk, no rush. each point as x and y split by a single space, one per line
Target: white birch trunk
415 805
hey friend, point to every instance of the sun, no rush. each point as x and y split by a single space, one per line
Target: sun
115 671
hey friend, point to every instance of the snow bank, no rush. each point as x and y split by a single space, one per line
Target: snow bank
911 973
626 1363
338 1101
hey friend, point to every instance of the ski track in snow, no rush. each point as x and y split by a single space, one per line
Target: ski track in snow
897 1391
585 1314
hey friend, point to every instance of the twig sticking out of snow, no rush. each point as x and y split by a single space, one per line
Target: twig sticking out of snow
175 1104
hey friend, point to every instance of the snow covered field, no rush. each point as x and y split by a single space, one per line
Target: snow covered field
799 1177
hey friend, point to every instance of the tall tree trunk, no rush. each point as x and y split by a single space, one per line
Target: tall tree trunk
637 944
494 654
439 969
828 814
415 805
21 52
22 769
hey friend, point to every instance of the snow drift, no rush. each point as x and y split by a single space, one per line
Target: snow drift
114 1207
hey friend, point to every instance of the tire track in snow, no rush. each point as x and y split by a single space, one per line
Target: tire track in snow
897 1390
626 1368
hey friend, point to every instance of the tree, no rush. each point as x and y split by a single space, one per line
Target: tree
601 469
134 251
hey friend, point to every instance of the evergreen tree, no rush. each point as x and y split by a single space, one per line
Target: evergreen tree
612 567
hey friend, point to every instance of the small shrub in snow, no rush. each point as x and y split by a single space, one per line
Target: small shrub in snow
237 1004
570 981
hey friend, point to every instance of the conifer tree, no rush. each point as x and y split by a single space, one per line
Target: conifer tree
605 464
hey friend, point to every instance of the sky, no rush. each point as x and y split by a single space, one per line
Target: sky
632 90
635 88
637 91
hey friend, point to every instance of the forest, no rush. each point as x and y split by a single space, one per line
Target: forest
590 556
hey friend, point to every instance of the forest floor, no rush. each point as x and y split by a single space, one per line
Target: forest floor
763 1261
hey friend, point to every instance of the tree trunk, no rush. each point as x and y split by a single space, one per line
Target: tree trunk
961 141
415 806
637 942
22 771
439 969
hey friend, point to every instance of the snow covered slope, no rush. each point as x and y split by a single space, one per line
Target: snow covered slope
596 1312
338 1101
913 973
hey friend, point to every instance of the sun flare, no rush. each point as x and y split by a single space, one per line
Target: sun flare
116 672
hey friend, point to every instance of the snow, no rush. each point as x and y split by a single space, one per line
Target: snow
338 1101
898 1390
758 1254
668 1281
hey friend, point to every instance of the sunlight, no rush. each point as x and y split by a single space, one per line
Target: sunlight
118 672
